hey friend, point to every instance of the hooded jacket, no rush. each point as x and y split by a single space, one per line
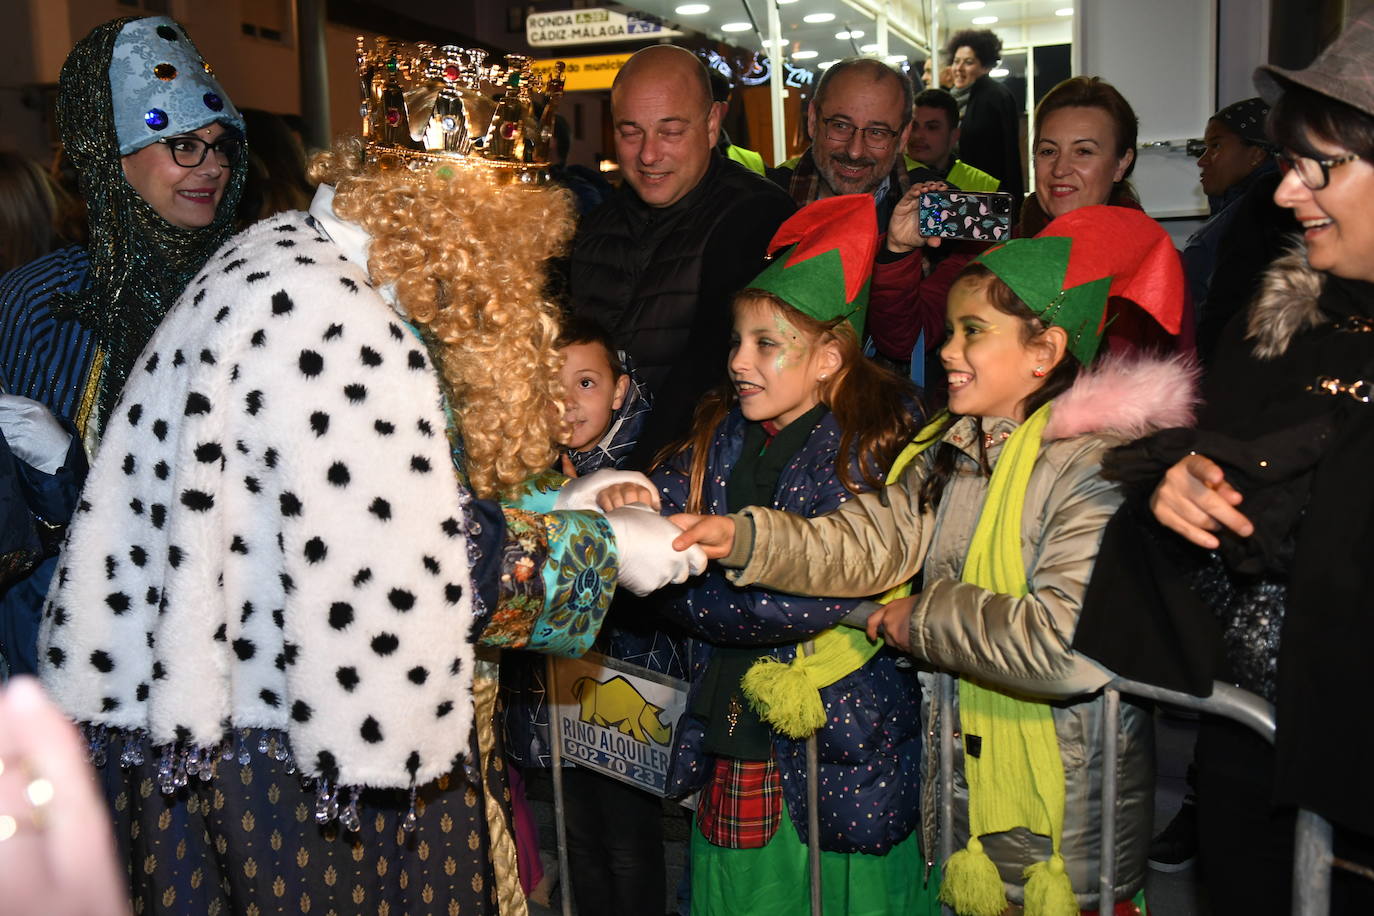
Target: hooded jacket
870 748
1022 645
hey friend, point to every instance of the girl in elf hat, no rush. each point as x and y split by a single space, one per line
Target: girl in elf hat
1001 509
806 424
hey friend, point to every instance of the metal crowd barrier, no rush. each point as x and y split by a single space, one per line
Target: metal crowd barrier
1313 857
1313 852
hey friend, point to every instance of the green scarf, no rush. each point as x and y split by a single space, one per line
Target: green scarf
1015 774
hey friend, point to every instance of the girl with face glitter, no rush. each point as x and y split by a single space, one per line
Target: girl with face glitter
999 506
807 423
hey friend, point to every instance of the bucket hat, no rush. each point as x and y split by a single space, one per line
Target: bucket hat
1344 71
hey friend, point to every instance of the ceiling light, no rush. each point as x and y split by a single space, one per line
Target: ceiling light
999 72
770 43
868 49
736 27
856 33
984 20
826 64
1066 11
692 9
895 58
785 2
972 5
805 55
817 18
842 36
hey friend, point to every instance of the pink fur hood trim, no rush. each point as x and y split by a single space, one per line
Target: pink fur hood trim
1129 396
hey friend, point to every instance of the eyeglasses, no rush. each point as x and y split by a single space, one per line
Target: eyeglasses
1314 173
189 152
841 131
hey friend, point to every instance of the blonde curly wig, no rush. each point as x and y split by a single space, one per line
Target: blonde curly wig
467 261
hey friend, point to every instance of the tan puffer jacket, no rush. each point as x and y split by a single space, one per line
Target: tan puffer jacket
882 538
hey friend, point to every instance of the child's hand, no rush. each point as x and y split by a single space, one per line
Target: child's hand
892 623
569 469
715 534
580 493
622 494
1195 500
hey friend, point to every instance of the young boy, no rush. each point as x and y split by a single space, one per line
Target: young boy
605 406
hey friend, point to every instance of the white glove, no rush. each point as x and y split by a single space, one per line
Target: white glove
580 493
644 540
33 433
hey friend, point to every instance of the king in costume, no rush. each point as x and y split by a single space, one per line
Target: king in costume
311 518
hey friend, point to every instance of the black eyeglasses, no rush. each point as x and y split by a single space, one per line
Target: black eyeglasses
841 131
189 152
1314 173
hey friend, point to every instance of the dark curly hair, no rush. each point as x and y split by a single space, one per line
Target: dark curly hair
984 43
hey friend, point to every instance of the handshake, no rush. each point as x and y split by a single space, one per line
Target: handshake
653 551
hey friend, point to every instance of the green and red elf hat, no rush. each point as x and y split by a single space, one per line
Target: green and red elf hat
1067 273
826 272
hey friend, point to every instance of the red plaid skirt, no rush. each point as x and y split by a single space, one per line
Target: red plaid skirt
741 805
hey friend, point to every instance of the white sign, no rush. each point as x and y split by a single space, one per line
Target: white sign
592 26
616 718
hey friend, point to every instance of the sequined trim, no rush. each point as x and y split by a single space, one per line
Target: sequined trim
86 408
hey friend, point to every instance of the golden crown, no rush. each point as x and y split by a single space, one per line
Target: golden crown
427 108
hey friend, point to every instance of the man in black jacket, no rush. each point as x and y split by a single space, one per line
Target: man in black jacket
659 262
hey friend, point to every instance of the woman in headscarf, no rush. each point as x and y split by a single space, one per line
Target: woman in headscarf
158 147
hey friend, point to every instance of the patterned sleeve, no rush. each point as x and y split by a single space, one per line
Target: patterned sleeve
558 572
538 493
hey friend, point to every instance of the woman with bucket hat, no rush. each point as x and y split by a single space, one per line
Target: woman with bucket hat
1272 492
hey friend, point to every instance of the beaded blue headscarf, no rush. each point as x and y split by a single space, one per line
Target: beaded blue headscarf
140 263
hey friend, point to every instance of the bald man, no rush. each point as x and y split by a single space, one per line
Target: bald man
659 262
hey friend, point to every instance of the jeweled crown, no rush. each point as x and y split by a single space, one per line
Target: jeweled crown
428 107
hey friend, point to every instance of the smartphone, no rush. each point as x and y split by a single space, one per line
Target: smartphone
981 216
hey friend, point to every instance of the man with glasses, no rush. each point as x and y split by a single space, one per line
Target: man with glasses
860 121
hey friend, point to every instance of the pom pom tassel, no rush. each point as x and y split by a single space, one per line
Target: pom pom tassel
1049 892
785 697
970 883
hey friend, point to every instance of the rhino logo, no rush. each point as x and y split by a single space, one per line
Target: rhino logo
617 704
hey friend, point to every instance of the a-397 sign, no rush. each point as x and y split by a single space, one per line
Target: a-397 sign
592 26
